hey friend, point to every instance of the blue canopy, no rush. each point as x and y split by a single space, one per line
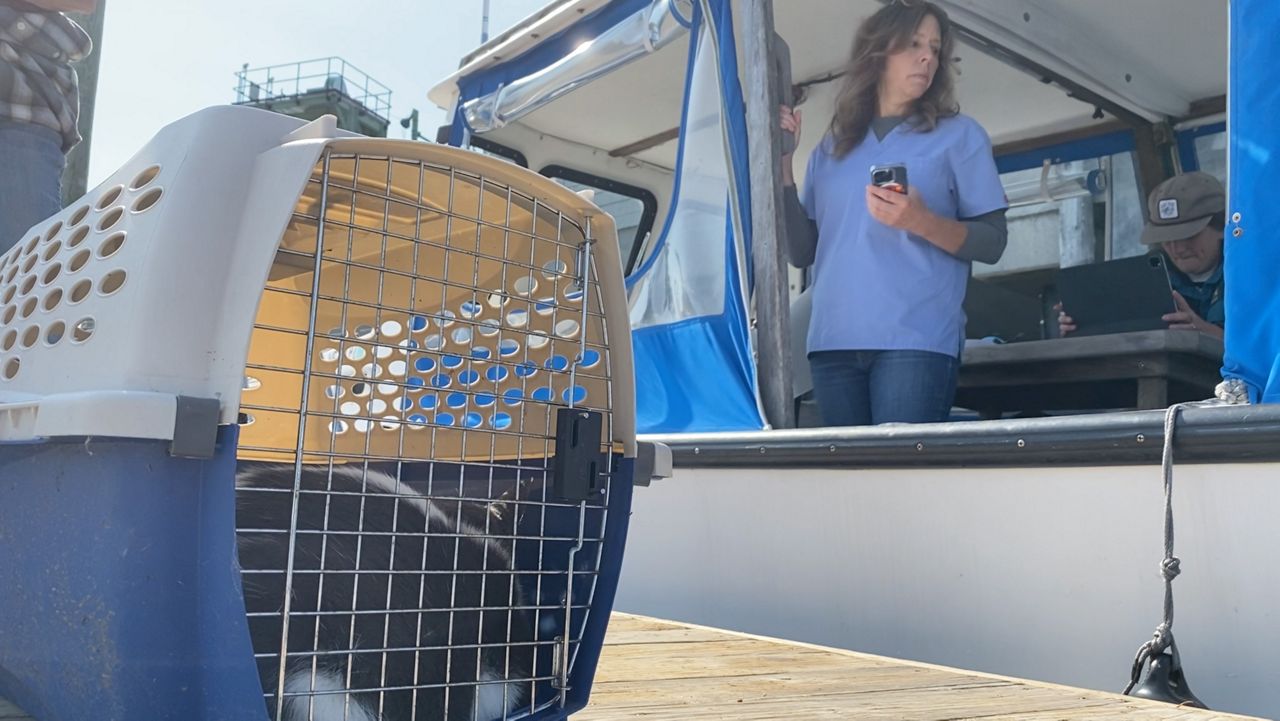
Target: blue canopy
1252 253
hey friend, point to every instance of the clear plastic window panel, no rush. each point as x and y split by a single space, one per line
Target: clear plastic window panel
402 551
687 278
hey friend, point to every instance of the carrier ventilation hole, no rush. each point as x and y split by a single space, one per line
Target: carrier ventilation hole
83 330
52 299
526 285
143 179
518 318
78 260
109 197
567 328
109 220
78 236
78 217
112 282
552 268
148 200
53 335
81 290
111 245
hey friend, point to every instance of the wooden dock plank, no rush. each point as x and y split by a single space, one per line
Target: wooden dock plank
654 669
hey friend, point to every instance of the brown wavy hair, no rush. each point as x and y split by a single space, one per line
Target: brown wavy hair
884 33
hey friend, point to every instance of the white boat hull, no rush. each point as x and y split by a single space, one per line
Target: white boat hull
1041 573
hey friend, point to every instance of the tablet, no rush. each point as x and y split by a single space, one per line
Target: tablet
1117 296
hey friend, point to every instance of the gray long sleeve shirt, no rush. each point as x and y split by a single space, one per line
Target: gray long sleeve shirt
987 236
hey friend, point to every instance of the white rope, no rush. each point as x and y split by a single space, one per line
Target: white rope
1231 391
1170 566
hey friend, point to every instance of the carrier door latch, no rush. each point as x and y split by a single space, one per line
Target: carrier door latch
195 427
576 469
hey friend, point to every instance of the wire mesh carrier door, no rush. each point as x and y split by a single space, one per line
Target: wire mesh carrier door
408 550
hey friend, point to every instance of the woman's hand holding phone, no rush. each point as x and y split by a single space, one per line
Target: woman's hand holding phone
896 210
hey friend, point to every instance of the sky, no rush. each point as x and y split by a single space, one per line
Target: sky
163 59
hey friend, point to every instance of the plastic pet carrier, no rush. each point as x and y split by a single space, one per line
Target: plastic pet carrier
305 425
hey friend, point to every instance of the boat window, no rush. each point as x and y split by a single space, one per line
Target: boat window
633 208
494 149
1211 155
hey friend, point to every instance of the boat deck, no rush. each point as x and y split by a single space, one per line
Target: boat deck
654 669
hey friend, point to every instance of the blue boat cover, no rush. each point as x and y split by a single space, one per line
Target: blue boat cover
1252 263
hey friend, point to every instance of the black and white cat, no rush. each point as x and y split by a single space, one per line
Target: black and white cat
402 606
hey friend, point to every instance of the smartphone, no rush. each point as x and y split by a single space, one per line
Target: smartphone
893 177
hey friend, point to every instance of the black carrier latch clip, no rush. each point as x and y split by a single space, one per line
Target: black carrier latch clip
576 468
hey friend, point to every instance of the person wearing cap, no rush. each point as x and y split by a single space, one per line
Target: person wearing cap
39 107
1187 218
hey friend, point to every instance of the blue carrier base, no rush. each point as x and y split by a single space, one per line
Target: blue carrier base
120 589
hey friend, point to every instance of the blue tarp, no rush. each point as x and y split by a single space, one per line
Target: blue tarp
698 373
1252 251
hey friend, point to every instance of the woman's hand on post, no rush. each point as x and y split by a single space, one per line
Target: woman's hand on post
896 210
790 122
1066 324
1186 319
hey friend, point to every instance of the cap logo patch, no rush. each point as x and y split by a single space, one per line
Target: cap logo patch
1168 209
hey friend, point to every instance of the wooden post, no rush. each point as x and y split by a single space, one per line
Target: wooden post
772 296
75 179
1151 161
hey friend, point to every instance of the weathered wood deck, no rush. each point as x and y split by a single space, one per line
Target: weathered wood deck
655 669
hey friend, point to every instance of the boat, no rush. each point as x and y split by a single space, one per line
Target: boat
1026 535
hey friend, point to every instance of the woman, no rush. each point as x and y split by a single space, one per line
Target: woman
890 269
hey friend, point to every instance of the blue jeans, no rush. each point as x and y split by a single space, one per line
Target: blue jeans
864 387
31 164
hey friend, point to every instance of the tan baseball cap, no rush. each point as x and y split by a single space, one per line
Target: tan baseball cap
1182 206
